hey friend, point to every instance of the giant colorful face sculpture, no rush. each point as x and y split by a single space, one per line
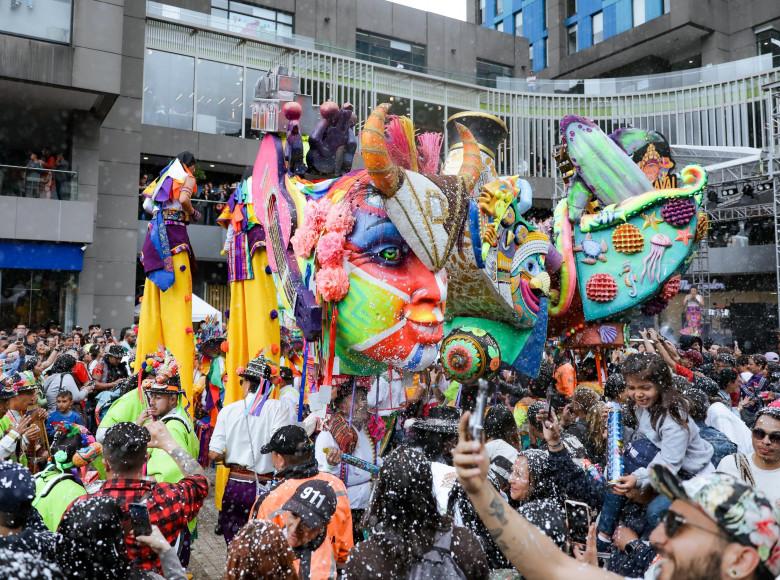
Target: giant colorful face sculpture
498 283
378 241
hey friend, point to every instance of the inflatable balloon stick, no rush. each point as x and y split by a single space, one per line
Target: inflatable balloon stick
615 467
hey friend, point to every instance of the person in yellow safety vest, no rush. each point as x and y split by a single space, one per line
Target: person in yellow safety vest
162 390
58 485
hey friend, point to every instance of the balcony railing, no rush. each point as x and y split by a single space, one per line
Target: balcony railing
19 181
711 74
43 19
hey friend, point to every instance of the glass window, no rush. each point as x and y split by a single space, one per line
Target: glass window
389 51
597 21
44 19
546 47
252 76
519 23
639 12
220 98
168 89
667 6
499 6
488 72
248 18
428 117
481 12
33 297
500 26
571 8
571 39
400 106
766 46
531 56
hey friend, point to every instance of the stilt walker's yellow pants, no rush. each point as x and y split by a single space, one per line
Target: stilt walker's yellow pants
166 322
250 330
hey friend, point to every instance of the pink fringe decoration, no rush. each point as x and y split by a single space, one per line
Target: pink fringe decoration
332 283
330 249
400 142
340 219
429 148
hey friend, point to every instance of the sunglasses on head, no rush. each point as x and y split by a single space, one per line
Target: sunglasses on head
760 434
674 522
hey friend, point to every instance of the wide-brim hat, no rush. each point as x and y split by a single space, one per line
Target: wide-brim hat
258 369
116 351
434 425
170 386
25 382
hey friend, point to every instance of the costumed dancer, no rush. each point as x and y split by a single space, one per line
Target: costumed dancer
253 321
162 389
346 430
23 433
209 382
243 428
167 258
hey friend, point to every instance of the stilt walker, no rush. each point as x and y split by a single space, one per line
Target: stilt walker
166 307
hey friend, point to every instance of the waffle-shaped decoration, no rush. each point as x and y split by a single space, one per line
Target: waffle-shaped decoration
671 288
628 239
601 288
678 212
702 227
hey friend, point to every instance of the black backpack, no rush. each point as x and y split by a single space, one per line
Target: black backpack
437 563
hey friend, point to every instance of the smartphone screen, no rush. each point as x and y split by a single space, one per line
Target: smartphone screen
139 519
578 520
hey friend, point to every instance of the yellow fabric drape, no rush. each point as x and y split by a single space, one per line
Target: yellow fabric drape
166 321
250 330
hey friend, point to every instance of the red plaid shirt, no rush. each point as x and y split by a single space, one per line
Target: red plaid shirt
171 506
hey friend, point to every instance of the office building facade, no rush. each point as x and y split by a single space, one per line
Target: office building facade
166 77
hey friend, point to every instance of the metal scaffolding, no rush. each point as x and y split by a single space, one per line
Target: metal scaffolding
773 150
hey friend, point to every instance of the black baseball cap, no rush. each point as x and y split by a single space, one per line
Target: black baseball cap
314 502
288 440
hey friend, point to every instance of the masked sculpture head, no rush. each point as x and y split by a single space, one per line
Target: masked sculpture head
379 239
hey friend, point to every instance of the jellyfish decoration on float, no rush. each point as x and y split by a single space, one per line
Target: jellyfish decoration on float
498 285
626 231
359 259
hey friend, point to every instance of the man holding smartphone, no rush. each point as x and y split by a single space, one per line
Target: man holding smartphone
170 505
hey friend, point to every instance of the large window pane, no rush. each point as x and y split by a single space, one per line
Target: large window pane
571 39
598 27
390 51
45 19
639 12
252 76
220 98
519 23
168 89
488 72
33 297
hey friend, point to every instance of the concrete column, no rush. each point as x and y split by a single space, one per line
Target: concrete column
113 256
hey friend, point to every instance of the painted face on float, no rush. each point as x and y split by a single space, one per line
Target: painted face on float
393 313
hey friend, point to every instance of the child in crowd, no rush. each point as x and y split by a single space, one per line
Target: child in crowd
64 412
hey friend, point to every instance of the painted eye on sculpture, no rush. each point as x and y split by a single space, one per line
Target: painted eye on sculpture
532 267
391 255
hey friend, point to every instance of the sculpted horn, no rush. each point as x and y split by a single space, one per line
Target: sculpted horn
385 175
471 168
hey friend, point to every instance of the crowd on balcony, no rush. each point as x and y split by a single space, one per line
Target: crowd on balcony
44 174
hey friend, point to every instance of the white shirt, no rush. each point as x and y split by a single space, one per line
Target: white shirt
385 396
444 478
767 480
240 436
720 417
358 481
289 397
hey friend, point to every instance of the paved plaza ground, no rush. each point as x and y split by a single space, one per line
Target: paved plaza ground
208 555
